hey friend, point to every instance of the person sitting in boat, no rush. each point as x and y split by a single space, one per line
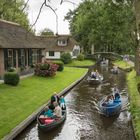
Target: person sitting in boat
115 69
62 102
116 92
109 100
55 98
57 111
93 74
97 74
47 113
117 95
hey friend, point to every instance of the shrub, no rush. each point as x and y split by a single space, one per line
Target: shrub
11 78
66 58
60 65
46 69
44 66
80 57
11 69
22 68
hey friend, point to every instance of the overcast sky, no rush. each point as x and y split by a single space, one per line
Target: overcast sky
47 18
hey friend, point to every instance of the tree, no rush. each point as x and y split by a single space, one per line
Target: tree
46 32
15 11
108 25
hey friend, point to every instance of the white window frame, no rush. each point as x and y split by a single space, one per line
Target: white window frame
62 42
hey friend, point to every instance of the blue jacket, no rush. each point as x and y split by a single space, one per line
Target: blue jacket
48 113
62 100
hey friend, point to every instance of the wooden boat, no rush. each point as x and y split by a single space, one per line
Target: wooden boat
110 108
95 80
104 63
54 123
114 71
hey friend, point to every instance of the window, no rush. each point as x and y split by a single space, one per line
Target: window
75 52
10 58
34 56
62 42
51 53
22 57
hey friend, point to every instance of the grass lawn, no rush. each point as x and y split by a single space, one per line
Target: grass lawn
81 63
122 64
17 103
132 81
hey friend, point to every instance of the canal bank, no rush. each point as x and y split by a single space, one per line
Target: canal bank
83 119
30 91
133 85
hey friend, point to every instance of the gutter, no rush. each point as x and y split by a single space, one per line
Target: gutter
19 128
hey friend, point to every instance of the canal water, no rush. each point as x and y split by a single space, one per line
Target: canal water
84 122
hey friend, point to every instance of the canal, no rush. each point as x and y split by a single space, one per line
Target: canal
84 122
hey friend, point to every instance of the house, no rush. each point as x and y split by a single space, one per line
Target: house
21 49
55 45
17 47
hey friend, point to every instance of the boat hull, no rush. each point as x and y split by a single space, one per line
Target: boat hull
112 109
114 71
94 81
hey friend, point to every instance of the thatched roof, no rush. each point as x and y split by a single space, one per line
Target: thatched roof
12 35
51 42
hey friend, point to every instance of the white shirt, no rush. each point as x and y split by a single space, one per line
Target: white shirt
58 111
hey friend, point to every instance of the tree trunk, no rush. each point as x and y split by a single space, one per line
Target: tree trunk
137 54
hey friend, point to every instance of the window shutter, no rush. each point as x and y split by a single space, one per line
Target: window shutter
39 55
6 59
30 57
19 58
25 57
14 57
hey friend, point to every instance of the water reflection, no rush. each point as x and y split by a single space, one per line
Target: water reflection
83 120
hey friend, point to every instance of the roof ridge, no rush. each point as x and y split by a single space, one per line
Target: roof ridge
9 22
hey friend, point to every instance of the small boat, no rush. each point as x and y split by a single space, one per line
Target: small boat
49 123
95 80
104 63
110 108
114 71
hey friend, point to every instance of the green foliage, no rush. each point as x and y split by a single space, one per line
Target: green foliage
134 95
46 32
46 69
81 63
11 69
11 78
44 66
123 65
12 10
80 57
60 64
66 58
107 25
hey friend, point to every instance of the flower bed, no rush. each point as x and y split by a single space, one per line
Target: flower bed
46 69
